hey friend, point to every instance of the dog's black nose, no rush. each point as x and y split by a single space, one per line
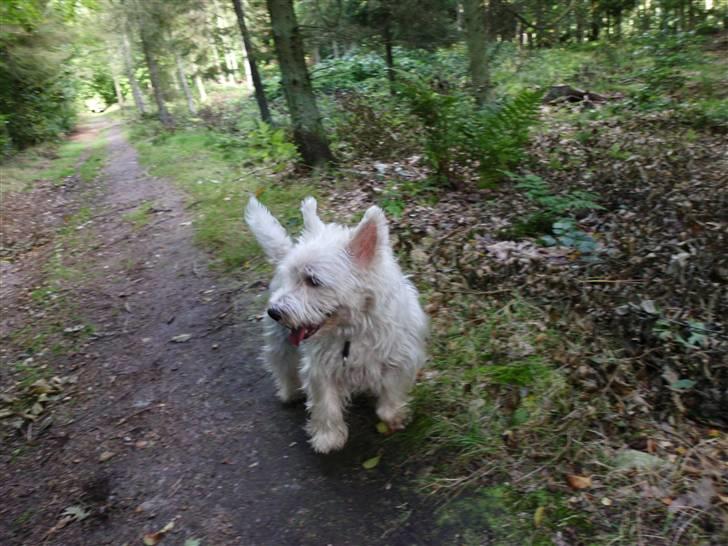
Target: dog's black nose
274 314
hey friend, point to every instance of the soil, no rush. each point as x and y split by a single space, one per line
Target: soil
155 431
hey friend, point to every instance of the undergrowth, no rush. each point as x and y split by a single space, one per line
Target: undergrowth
59 326
218 179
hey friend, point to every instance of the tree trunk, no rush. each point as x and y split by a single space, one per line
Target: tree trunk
182 77
129 69
579 24
308 131
117 88
200 88
596 21
618 24
476 40
389 55
156 81
252 63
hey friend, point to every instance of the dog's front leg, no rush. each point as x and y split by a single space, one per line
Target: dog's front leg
392 399
282 359
326 426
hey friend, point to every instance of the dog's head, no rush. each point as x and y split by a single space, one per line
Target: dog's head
330 276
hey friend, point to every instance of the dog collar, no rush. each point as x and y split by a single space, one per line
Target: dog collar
345 352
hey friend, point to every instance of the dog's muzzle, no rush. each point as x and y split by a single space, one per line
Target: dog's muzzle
297 333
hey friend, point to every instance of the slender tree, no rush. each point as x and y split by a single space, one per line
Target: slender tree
308 131
184 86
476 39
129 69
154 75
252 62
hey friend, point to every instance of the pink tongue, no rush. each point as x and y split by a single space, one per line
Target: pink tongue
296 336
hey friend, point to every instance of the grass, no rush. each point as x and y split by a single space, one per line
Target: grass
511 517
501 413
53 162
48 336
140 216
218 182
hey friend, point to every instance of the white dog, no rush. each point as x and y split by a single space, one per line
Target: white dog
342 319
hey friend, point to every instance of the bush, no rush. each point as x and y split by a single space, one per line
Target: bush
461 137
373 127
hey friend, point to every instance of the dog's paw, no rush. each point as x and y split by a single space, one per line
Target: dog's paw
394 419
290 396
325 441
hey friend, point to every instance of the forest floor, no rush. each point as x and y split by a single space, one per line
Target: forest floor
140 407
577 387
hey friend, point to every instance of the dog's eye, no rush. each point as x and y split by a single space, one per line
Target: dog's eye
312 281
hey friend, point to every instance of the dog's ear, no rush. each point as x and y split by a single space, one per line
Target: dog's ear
267 230
311 222
370 238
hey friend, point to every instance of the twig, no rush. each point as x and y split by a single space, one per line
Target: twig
626 281
125 419
478 292
676 539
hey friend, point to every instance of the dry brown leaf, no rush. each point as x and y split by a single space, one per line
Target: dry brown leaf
578 482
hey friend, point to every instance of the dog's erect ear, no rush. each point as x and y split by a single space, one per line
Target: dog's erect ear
311 222
370 238
267 230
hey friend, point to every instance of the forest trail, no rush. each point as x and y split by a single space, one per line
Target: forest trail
188 432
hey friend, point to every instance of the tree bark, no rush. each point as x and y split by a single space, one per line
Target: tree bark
308 131
129 69
200 88
182 77
154 77
476 41
389 55
252 63
596 21
117 89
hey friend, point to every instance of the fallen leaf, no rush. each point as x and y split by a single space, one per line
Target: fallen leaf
77 513
105 456
42 387
193 542
181 338
578 482
150 539
371 463
606 501
538 516
382 428
631 458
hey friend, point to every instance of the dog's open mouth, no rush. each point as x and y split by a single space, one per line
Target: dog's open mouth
297 335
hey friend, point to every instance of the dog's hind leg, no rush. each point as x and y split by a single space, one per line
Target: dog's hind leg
282 359
326 426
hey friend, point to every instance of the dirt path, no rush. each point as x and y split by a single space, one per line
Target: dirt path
192 430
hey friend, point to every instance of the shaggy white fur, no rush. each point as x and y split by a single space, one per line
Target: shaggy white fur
342 319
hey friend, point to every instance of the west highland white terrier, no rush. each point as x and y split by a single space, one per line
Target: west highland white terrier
341 319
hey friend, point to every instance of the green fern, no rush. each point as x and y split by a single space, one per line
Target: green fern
457 133
502 131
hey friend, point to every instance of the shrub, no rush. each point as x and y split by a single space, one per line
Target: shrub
375 128
459 136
